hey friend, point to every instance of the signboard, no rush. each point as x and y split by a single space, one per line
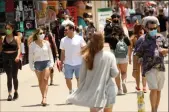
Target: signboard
28 33
73 14
10 16
29 24
2 6
50 16
2 17
43 16
9 6
40 17
103 13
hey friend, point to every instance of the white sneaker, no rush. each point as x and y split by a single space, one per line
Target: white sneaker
124 88
120 92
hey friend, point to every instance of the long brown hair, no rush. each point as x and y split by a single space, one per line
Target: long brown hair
137 29
96 44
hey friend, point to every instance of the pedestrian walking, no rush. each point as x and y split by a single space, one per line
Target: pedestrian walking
71 46
138 31
11 59
96 87
49 37
90 29
164 28
150 47
41 61
119 45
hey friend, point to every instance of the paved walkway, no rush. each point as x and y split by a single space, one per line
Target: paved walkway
30 98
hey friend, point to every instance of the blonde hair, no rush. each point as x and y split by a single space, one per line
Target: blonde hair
34 36
96 44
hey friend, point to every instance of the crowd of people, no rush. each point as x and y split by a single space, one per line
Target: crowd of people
79 51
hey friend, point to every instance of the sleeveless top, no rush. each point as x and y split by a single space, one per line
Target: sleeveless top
12 46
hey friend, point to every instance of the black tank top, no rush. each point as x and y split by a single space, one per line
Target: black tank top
12 46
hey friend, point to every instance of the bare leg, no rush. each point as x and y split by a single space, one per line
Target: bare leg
158 99
77 82
153 100
123 68
69 84
39 80
51 77
96 110
45 78
117 79
110 109
144 84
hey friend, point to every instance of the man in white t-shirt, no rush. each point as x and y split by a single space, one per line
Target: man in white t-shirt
71 46
166 10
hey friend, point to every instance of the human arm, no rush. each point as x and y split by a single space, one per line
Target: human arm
31 56
1 41
50 54
139 51
55 47
167 26
130 49
18 40
82 43
62 51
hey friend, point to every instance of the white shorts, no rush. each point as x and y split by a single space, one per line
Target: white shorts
155 79
122 60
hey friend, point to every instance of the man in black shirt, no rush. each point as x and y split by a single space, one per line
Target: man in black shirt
163 23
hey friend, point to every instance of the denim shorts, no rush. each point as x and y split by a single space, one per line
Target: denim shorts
69 70
41 65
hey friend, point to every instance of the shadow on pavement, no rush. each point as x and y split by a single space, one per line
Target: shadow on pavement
132 92
48 85
63 104
36 105
3 99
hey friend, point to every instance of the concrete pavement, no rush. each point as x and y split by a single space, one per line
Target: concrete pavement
30 97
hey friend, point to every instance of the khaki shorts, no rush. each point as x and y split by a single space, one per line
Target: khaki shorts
155 79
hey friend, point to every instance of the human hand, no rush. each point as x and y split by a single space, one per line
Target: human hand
163 51
17 59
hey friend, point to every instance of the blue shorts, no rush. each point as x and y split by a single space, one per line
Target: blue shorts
69 70
41 65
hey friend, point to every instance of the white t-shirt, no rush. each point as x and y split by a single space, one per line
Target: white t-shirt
72 49
127 11
22 48
166 12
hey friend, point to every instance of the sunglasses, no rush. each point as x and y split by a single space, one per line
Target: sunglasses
152 28
115 17
41 33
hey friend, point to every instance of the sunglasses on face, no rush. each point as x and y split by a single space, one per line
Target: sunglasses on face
41 33
152 28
